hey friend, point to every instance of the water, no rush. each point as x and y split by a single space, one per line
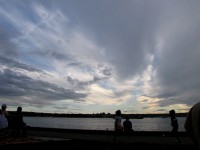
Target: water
146 124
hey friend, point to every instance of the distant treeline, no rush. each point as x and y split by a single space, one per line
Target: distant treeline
99 115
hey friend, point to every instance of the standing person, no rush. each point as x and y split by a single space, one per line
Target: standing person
127 125
174 124
192 125
117 126
19 124
3 122
118 120
5 115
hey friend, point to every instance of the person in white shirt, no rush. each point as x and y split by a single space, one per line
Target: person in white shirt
118 120
3 121
3 107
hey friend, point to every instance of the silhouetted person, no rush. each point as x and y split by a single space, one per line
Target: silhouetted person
118 120
127 125
192 125
19 124
117 125
174 124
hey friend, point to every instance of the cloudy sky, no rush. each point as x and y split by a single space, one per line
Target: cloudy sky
89 56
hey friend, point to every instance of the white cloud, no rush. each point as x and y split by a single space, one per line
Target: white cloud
99 95
113 53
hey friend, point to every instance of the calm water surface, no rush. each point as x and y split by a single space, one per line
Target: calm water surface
146 124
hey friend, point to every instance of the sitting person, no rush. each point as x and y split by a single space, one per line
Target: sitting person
118 127
127 125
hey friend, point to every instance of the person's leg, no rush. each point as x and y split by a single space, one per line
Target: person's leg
175 133
24 131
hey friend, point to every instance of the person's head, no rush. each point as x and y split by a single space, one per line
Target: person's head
127 117
118 113
172 113
3 106
19 109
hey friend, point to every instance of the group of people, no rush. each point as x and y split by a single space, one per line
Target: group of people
127 124
12 123
192 124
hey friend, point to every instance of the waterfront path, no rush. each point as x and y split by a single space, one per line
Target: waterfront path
76 139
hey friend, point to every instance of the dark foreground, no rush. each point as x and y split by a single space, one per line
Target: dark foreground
95 140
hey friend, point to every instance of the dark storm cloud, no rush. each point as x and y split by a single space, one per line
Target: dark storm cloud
130 31
17 85
11 63
177 65
187 99
127 30
79 84
16 88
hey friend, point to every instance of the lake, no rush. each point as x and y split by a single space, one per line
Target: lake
145 124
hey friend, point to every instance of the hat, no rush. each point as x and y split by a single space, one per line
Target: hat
3 106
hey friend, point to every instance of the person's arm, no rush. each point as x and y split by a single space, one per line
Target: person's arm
6 114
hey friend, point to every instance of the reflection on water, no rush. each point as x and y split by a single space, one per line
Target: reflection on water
146 124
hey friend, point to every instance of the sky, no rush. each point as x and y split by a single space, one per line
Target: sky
75 56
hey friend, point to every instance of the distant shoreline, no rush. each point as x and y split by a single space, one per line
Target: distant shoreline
98 115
